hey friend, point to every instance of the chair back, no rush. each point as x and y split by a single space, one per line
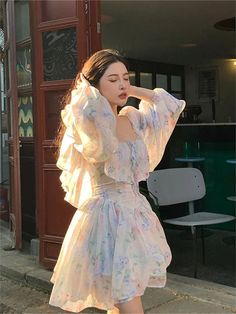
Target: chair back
176 185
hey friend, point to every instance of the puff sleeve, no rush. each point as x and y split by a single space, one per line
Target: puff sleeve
95 123
155 122
89 138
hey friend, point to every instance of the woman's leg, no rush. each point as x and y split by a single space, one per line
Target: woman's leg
114 311
133 306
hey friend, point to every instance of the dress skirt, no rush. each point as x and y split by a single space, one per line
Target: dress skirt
114 248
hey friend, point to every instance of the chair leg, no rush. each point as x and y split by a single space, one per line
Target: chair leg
194 237
203 246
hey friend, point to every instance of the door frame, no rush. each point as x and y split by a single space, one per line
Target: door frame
12 109
47 174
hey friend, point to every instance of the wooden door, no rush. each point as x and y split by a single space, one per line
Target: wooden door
64 34
12 110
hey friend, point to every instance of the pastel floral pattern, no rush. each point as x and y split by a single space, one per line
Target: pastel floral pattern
115 246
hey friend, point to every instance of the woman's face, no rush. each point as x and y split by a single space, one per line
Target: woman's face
114 84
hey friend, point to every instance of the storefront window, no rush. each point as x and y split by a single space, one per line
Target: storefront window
176 86
146 80
161 81
176 83
132 78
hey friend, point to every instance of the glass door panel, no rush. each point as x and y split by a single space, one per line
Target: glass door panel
22 20
23 67
60 54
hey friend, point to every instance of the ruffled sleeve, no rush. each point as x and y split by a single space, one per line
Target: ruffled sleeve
95 123
75 177
89 138
155 122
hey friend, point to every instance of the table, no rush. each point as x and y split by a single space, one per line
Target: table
190 160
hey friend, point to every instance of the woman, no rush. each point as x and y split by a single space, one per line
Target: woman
115 246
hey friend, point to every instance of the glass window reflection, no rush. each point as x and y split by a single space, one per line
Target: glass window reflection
22 20
59 54
25 122
176 83
161 81
23 67
146 80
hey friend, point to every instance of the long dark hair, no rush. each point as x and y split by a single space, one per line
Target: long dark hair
92 70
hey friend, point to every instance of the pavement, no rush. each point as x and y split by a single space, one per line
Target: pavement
181 294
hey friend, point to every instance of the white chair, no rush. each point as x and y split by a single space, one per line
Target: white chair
180 185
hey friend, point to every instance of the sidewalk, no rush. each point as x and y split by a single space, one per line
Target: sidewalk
181 294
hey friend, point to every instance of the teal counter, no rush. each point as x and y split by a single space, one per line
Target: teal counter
216 143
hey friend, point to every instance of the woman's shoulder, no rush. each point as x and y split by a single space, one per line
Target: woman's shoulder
134 116
130 112
127 109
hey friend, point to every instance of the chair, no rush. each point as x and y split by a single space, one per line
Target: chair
180 185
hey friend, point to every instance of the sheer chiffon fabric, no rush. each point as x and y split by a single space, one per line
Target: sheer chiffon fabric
115 246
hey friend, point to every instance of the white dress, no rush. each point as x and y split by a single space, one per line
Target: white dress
115 246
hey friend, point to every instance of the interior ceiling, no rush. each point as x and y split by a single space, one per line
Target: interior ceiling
158 30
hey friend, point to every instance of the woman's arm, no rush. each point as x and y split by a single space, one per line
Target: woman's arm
141 93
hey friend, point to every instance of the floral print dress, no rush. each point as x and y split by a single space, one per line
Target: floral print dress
115 246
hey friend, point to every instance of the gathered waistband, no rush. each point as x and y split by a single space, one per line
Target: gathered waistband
120 187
